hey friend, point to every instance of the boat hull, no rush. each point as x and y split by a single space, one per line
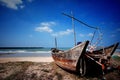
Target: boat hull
79 60
69 59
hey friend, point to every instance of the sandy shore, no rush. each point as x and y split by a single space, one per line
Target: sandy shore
44 71
32 59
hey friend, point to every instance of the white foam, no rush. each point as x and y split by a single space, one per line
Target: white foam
23 51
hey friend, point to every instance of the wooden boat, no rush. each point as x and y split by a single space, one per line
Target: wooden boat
69 59
99 59
80 59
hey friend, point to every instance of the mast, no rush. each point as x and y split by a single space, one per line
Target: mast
73 18
55 43
92 27
73 29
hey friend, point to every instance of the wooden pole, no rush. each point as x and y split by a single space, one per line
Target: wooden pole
55 43
80 21
73 29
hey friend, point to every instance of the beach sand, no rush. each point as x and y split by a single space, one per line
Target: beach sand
42 68
43 71
31 59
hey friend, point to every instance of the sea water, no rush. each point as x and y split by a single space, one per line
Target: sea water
26 52
31 51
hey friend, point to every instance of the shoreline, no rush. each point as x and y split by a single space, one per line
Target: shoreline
31 59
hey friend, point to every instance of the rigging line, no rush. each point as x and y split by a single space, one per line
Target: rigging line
101 35
80 21
99 38
92 37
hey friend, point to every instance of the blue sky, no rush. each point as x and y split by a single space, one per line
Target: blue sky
36 22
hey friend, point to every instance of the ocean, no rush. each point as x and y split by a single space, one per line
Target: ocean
30 51
26 51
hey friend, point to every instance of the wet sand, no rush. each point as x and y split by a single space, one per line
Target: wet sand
31 59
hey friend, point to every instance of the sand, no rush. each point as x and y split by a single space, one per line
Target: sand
43 68
32 59
44 71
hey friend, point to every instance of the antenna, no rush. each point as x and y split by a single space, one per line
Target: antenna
73 29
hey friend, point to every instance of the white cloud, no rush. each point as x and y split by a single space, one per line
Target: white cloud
90 34
13 4
81 35
45 27
67 32
48 23
62 33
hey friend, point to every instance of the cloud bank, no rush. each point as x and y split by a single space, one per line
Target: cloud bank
47 27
